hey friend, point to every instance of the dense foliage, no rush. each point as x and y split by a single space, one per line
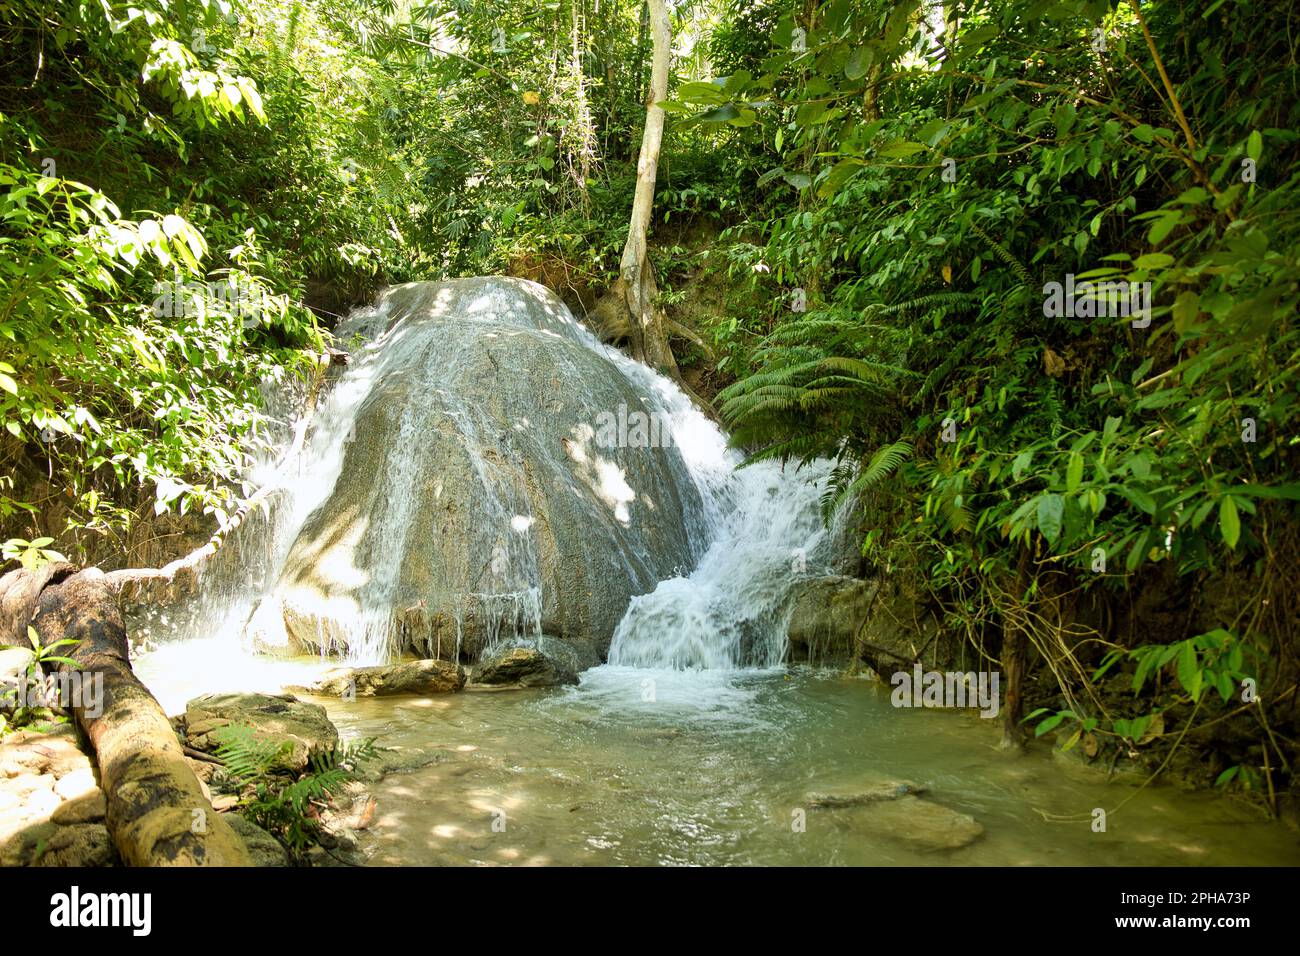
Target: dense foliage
907 195
1032 459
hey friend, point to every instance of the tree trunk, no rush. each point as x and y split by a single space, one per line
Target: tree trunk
157 812
636 282
629 308
1015 650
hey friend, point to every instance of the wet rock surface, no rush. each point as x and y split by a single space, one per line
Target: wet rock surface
476 497
524 667
421 678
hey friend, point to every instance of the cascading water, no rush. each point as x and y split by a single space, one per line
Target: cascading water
733 609
343 561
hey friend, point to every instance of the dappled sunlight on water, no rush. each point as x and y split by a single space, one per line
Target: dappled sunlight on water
670 767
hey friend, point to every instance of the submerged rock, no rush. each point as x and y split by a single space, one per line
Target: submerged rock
918 823
408 677
857 796
480 496
302 728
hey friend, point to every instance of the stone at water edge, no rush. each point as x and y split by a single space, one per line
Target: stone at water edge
827 615
83 844
525 666
89 808
53 750
279 719
408 677
262 847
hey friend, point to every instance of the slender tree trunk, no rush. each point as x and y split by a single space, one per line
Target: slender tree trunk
583 129
649 344
629 309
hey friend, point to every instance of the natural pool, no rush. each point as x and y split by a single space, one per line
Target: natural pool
639 767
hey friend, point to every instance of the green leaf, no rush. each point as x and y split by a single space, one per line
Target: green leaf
1254 145
1189 670
859 61
1154 260
1224 685
1138 552
1048 725
1074 472
1051 508
1163 227
1186 308
721 114
1229 521
900 149
1227 776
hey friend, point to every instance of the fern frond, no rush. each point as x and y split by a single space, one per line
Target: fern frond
1004 254
244 755
883 463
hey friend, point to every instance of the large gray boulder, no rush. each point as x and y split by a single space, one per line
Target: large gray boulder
478 499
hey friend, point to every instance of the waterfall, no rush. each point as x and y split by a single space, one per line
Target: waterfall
733 609
749 534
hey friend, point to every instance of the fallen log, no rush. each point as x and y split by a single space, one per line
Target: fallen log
157 813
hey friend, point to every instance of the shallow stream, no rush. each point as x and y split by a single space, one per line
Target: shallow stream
638 766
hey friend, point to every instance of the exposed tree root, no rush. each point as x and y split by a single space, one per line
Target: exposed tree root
157 812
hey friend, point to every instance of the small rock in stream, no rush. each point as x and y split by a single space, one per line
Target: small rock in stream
871 793
302 729
422 677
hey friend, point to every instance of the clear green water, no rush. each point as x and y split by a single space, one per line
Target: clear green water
712 770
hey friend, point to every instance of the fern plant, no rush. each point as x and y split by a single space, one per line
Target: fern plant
848 481
283 806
